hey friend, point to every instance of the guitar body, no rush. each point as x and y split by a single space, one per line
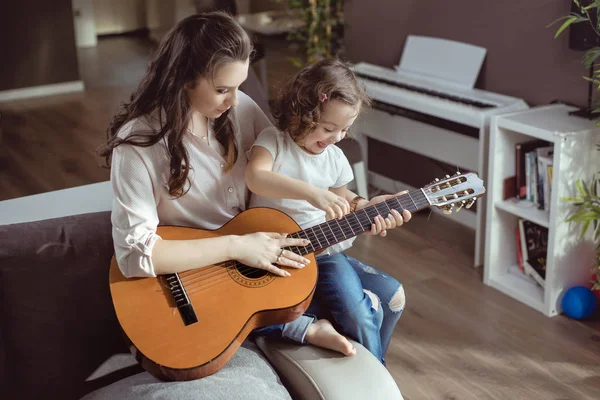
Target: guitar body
228 301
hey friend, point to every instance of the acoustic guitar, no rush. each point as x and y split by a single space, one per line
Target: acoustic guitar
187 325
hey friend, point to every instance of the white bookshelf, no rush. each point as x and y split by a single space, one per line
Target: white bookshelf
569 258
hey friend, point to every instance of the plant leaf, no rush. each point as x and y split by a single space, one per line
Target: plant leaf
584 218
560 19
570 20
584 229
594 209
590 57
581 188
296 62
577 215
594 4
572 199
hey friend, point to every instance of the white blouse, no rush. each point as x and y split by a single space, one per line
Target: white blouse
140 176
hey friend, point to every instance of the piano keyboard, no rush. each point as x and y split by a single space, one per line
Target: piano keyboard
430 86
428 92
437 122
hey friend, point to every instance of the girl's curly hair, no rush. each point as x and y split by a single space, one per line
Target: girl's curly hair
299 106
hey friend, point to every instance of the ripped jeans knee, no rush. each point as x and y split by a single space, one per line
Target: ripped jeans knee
376 307
398 300
375 302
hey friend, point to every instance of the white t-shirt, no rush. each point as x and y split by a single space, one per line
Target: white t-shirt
330 169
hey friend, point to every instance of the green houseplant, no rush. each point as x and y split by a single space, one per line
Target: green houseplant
587 201
587 212
588 10
322 31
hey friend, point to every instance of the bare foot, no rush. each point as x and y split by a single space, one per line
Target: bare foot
323 334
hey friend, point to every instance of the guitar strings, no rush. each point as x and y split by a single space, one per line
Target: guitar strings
217 277
218 271
205 272
202 273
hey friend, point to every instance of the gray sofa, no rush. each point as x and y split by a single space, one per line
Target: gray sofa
60 339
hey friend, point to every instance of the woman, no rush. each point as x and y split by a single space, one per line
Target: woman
178 158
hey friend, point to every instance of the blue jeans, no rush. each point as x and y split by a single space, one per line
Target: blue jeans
339 297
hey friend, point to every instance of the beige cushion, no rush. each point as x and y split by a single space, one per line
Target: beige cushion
312 373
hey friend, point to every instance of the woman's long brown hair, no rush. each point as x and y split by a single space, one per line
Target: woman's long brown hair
197 46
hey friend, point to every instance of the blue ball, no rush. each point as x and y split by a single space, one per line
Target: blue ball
579 302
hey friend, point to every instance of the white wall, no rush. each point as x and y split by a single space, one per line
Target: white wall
85 26
119 16
101 17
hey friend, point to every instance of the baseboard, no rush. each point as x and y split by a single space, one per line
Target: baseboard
43 90
466 218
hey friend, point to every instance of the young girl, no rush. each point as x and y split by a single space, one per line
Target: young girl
301 172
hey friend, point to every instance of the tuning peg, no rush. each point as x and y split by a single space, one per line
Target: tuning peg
447 176
457 173
460 206
436 180
448 209
470 203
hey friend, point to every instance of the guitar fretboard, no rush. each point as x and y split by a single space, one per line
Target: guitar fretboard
337 230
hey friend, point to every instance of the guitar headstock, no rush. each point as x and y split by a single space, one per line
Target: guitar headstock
459 190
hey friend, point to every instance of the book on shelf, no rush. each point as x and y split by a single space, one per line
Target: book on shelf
532 251
519 251
532 177
536 268
545 180
520 150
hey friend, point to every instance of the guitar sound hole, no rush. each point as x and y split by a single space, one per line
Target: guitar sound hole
251 273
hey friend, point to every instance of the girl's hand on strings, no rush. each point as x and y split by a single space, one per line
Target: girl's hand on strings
334 206
393 219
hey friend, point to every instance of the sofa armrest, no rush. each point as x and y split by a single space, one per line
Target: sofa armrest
95 197
311 372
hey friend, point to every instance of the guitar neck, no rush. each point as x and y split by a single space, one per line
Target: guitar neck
337 230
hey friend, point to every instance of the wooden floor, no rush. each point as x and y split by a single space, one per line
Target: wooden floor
460 339
457 339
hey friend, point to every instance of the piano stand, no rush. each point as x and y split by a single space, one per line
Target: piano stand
353 153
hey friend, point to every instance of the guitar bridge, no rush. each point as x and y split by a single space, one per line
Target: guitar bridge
182 301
